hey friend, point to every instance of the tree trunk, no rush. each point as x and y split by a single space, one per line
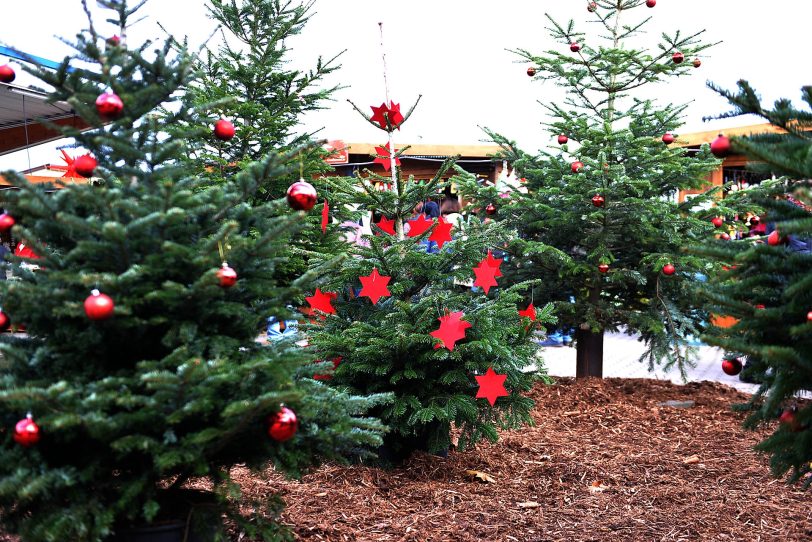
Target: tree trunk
589 354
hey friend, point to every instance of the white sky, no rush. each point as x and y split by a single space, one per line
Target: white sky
453 52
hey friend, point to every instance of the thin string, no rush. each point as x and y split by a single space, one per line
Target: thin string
25 127
222 252
389 121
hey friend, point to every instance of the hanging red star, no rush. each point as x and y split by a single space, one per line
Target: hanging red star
70 169
322 301
383 157
495 262
491 386
485 275
393 112
452 329
374 286
325 217
419 225
386 225
441 233
529 312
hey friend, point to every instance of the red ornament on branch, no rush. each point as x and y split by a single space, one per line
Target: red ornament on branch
789 420
490 209
809 316
496 263
591 7
574 47
669 269
651 3
392 112
383 157
322 301
282 425
678 57
301 195
325 216
668 138
724 236
732 366
775 239
226 276
491 386
442 232
386 225
598 200
717 221
374 286
85 165
5 321
419 225
562 139
720 147
485 275
577 166
114 41
529 312
109 105
452 329
531 71
603 268
26 432
99 306
7 74
6 222
697 63
224 130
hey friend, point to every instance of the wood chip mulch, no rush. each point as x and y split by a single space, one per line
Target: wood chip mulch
604 462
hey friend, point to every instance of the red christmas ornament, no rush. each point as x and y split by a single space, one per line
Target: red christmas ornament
529 312
496 263
301 195
5 321
732 366
668 138
374 286
598 200
282 425
591 7
325 216
761 307
724 236
7 74
577 166
336 361
574 47
6 222
224 130
651 3
775 239
452 329
386 225
442 232
531 71
491 386
678 57
322 301
717 221
697 63
485 275
85 165
789 420
109 105
383 157
490 209
113 41
603 268
562 139
99 306
26 432
226 276
669 269
809 316
720 147
419 225
392 112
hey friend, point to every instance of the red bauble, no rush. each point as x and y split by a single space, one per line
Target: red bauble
109 105
226 276
603 268
562 139
808 316
775 239
85 165
788 419
678 57
651 3
717 221
531 71
224 130
99 306
6 222
720 147
301 195
282 425
668 138
5 321
7 74
697 63
761 307
591 7
114 41
732 366
490 209
669 269
574 47
26 432
598 200
724 236
577 166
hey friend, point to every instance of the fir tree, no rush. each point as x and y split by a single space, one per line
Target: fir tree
172 384
767 286
600 221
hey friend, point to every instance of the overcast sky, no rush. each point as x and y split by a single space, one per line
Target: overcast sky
454 53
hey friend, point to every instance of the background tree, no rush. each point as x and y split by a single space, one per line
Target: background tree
768 283
158 379
600 224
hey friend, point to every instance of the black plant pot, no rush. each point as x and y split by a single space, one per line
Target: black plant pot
200 521
170 532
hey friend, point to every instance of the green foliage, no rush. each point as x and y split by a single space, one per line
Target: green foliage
174 386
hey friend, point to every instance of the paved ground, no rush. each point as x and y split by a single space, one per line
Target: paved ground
620 359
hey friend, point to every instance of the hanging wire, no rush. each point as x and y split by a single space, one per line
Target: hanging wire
25 129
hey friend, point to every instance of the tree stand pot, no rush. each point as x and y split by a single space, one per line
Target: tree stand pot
174 531
188 516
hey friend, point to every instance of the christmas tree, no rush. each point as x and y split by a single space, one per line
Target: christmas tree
400 316
140 369
767 286
599 222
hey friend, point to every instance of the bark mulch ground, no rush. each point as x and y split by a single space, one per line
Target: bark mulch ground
604 462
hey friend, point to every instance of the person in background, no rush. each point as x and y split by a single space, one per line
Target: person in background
450 209
431 210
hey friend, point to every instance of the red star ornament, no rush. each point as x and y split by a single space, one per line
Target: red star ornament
452 329
485 275
374 286
386 225
384 158
495 263
380 114
322 301
442 232
419 225
529 312
325 217
491 386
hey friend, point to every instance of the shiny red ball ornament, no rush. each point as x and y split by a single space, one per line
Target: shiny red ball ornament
720 147
591 7
577 166
724 236
668 138
5 321
789 420
109 105
7 74
114 41
697 63
678 57
732 366
490 209
227 276
224 130
283 425
669 269
26 432
651 3
85 165
761 307
301 195
775 239
574 47
598 200
809 316
99 306
562 139
531 71
603 268
717 221
6 222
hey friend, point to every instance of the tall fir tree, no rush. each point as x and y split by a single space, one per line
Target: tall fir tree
767 286
158 378
599 222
